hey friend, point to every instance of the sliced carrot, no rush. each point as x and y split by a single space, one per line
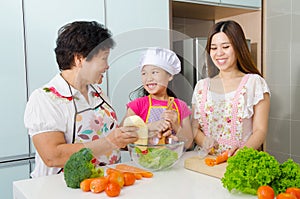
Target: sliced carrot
218 160
138 176
210 162
147 174
222 157
129 168
112 170
85 184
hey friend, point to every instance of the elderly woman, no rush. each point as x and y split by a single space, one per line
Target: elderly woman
71 111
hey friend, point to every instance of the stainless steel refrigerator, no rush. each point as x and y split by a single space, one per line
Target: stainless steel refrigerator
191 53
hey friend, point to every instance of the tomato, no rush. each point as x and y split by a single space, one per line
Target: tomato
285 196
98 184
85 184
113 189
129 178
116 178
294 191
265 192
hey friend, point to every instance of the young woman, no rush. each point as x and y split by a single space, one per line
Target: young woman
158 66
231 109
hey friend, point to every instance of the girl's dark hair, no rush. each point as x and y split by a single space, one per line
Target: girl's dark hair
141 92
81 38
237 38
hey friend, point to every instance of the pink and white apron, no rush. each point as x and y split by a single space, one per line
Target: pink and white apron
231 134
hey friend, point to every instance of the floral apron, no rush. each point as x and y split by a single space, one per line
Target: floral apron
232 133
154 112
94 123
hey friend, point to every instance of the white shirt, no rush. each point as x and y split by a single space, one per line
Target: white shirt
46 112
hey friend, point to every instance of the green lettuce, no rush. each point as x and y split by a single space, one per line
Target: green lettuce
289 177
158 158
249 169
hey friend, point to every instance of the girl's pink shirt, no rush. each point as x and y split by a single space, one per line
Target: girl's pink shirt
140 106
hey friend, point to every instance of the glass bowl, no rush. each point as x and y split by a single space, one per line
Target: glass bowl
156 157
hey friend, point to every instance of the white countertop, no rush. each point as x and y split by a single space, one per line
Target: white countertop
176 182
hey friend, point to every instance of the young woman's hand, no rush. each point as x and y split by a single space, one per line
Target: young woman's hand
233 150
210 144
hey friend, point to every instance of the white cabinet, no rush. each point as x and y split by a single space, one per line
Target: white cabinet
208 1
14 139
10 173
252 4
246 3
135 25
28 61
42 21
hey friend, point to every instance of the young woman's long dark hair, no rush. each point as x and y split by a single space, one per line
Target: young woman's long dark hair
238 40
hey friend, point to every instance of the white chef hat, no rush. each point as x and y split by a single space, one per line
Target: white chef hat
161 57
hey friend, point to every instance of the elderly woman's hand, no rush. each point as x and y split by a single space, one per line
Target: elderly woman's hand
120 137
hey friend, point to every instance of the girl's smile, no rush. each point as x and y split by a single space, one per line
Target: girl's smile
155 80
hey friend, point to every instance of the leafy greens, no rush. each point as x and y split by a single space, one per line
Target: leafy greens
249 169
158 158
289 177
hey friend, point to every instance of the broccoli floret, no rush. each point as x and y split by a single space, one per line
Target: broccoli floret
79 167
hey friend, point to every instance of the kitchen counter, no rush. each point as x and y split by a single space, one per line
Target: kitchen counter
176 182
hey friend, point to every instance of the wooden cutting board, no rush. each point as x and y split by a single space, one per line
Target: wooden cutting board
197 164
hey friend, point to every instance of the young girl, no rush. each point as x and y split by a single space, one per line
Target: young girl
230 110
158 66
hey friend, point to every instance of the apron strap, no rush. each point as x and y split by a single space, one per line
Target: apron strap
235 107
149 108
178 113
202 104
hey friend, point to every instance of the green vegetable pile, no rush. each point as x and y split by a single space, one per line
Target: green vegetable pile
80 167
249 169
289 176
157 158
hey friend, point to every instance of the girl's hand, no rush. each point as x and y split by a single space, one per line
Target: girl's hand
159 126
171 116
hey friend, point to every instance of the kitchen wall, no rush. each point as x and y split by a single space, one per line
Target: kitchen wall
282 63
